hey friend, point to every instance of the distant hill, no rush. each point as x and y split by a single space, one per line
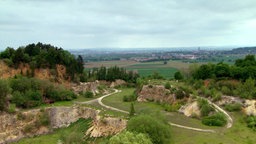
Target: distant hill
244 50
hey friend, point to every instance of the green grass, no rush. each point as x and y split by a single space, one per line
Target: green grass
78 128
238 134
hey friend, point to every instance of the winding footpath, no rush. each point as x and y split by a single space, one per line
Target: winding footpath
99 100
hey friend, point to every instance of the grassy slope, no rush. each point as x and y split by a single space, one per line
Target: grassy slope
238 134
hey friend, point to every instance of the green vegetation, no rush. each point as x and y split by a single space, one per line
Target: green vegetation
4 91
31 92
110 74
178 75
205 107
74 134
217 119
251 122
43 56
233 107
132 110
130 138
156 128
88 94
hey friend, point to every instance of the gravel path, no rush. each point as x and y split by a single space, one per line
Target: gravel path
99 100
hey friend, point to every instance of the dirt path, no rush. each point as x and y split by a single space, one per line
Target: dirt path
99 100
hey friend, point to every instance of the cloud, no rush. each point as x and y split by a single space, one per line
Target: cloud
121 23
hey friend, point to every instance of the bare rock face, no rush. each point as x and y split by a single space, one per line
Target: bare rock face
250 107
156 93
117 82
64 116
106 126
191 109
229 100
17 126
26 124
89 86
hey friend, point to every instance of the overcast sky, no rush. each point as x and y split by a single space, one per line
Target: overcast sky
127 23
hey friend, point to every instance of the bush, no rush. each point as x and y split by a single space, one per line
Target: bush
251 122
178 75
130 98
158 130
218 119
233 107
204 106
88 94
130 138
180 94
167 85
4 91
172 107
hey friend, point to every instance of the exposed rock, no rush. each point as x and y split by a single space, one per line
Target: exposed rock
64 116
229 100
190 109
25 124
106 126
117 83
87 86
156 93
250 107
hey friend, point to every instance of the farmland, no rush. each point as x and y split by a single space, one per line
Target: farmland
144 68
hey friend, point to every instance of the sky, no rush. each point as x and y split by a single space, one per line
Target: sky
78 24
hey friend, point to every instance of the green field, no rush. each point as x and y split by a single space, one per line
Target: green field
145 68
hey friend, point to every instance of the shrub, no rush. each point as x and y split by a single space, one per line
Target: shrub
88 94
217 119
130 98
130 138
204 106
158 130
178 75
172 107
251 122
179 94
167 85
4 91
233 107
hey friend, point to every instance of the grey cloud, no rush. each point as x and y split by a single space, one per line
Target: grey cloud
122 23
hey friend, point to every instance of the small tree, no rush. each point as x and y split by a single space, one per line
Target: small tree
88 94
132 110
4 91
178 75
167 85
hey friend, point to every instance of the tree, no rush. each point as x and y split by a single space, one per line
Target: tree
130 138
156 128
132 110
4 91
178 75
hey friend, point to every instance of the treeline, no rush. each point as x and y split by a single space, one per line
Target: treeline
43 56
109 74
26 92
242 70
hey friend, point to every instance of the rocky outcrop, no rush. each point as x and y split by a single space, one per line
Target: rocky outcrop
64 116
156 93
87 86
106 126
250 107
190 109
117 82
25 124
229 100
